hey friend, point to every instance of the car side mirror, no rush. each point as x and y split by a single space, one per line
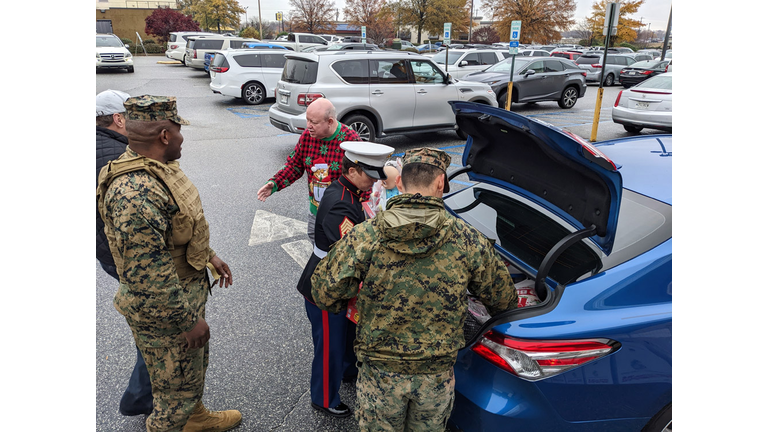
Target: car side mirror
127 46
463 63
530 72
448 79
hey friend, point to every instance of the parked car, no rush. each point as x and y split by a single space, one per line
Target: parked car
592 63
177 44
299 41
250 75
566 55
377 93
464 61
197 46
640 56
652 52
331 38
646 105
343 46
588 228
641 71
112 53
424 48
533 53
406 44
535 80
246 45
621 50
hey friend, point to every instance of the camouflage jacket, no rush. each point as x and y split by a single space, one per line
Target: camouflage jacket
157 304
416 262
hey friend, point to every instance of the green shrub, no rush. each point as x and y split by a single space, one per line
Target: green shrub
152 48
410 49
126 41
148 41
249 32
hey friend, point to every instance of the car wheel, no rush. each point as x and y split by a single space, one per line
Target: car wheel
627 85
130 69
633 129
568 98
609 80
661 422
502 99
253 93
363 126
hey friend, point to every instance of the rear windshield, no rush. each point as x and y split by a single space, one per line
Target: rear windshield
658 82
646 64
203 44
299 71
220 61
589 59
172 38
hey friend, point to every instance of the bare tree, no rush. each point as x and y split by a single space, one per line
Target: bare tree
371 14
313 16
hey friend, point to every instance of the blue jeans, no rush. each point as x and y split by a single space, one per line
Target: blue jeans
137 398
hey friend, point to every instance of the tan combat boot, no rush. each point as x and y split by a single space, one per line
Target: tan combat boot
203 420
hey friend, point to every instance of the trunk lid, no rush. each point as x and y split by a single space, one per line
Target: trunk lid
552 167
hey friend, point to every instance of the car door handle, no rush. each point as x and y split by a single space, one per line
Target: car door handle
421 91
377 92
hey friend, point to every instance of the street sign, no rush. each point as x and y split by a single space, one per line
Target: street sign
514 44
514 30
363 35
447 33
513 51
612 11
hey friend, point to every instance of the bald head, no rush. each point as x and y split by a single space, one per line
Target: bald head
321 119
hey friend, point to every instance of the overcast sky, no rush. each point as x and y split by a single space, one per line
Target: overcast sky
654 11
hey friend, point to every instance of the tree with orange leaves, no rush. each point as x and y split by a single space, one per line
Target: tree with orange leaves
626 30
371 14
541 20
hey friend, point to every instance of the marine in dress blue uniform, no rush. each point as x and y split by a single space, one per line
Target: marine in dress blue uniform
333 335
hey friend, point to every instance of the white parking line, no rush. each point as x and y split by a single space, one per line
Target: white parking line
268 227
299 250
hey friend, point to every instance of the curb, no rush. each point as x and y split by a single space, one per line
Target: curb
169 62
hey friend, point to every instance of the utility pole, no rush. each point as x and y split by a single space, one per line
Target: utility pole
666 36
261 34
471 12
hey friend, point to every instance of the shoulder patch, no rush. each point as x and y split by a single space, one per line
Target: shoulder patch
345 226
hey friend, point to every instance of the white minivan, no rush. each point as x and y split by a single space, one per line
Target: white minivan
248 74
177 44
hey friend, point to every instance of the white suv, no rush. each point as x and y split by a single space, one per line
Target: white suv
464 61
376 93
177 44
251 75
111 53
197 46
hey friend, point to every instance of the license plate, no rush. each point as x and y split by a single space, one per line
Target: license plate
631 72
284 99
642 105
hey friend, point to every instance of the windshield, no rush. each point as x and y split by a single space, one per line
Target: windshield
504 66
657 82
452 57
108 41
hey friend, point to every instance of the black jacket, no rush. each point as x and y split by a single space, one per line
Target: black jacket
340 210
109 145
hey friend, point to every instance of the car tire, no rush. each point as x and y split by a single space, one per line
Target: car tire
627 85
362 125
661 422
608 80
253 93
130 69
502 100
633 129
568 98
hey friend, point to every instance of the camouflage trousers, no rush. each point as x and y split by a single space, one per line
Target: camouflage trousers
178 378
390 401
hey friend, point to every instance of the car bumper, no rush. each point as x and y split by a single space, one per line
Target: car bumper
632 80
593 76
117 64
223 89
174 55
649 119
294 123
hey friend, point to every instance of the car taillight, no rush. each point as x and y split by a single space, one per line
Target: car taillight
174 46
650 92
666 68
194 53
218 69
584 74
304 99
533 360
646 72
595 155
597 65
618 98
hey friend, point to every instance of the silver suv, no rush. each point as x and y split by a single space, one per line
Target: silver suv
376 93
592 63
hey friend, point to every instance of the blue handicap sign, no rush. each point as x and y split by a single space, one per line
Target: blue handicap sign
514 44
514 35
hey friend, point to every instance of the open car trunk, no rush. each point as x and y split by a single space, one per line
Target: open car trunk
541 193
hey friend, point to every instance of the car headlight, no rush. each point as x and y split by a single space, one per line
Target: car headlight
128 55
98 56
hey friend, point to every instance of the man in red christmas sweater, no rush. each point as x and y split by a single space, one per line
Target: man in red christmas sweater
318 154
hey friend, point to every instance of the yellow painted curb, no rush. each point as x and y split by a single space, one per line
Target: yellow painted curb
169 62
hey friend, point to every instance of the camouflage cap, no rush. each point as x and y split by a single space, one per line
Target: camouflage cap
429 156
153 108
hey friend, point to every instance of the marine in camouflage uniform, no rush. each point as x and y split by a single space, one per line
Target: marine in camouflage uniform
416 262
159 237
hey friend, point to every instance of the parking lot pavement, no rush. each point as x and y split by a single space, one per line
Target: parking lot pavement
261 347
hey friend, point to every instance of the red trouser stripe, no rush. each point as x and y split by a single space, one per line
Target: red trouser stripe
326 354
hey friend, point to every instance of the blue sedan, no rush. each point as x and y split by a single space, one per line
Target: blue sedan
588 230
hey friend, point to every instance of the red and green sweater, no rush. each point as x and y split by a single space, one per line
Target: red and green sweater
320 159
